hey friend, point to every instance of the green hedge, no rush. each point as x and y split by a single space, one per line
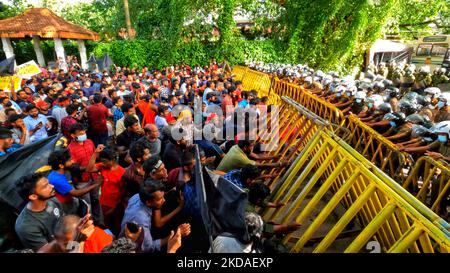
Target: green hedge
155 54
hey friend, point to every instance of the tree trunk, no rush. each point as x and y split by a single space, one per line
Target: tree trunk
127 18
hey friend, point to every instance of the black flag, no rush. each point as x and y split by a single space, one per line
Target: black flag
21 162
7 66
105 63
222 203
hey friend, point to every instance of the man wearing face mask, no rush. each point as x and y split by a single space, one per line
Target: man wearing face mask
440 148
81 149
443 111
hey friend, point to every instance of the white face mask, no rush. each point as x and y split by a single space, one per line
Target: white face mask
81 138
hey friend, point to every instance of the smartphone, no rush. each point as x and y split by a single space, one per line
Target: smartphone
133 227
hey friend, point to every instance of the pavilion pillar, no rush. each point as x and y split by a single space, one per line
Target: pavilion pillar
38 50
7 47
82 50
59 49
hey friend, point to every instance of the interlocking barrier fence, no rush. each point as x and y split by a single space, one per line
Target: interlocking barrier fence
369 143
388 213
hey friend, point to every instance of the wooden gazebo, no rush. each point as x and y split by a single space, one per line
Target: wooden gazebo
42 23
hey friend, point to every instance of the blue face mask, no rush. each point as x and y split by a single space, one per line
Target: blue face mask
442 138
370 105
338 95
392 123
81 138
440 104
358 100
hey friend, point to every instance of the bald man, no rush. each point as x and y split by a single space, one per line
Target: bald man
151 140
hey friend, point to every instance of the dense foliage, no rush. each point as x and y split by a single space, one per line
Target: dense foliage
326 34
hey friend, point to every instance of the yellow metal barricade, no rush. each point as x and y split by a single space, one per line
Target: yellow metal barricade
377 149
258 81
295 128
315 104
429 181
239 72
388 214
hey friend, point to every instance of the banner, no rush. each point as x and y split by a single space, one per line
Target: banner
27 70
5 83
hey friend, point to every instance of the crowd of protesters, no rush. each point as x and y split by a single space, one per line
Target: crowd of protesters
121 177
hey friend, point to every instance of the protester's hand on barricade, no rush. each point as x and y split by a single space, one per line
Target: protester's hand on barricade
434 155
185 229
293 226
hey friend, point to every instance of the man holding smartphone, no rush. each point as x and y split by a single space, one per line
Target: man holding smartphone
37 124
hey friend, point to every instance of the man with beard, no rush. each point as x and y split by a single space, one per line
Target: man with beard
36 123
38 219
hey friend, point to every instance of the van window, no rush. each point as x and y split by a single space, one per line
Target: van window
439 49
424 49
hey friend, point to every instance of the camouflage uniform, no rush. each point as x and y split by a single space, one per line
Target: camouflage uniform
438 79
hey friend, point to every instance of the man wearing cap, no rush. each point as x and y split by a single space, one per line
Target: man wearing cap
44 108
19 131
6 142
